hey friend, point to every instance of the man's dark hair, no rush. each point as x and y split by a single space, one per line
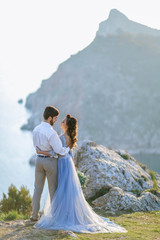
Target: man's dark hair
50 111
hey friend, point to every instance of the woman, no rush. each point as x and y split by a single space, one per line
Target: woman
69 210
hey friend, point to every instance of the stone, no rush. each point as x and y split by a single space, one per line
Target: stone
125 181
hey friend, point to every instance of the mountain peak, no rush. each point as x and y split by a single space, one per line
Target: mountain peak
117 22
115 14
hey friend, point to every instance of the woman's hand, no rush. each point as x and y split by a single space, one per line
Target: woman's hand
38 151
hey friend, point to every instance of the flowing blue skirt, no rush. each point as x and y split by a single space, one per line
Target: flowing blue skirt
69 210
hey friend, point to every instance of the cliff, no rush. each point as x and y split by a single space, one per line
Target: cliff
112 87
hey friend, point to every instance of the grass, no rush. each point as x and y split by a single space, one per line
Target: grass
143 166
140 225
155 184
153 191
125 156
12 215
145 178
137 192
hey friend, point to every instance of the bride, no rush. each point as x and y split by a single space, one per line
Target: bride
69 210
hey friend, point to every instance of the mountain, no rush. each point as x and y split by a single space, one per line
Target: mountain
118 22
111 86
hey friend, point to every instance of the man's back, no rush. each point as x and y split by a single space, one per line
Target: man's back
46 139
41 136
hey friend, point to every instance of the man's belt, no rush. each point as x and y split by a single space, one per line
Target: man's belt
43 156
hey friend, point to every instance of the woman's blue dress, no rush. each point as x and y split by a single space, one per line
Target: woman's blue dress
69 210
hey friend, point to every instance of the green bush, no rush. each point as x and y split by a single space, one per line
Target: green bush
144 167
18 200
12 215
82 178
153 191
137 192
124 156
155 184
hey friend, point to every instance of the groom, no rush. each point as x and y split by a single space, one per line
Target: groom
46 139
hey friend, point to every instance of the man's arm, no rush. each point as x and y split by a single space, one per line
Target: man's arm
56 144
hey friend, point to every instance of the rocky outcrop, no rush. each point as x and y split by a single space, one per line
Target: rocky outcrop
112 87
116 181
117 200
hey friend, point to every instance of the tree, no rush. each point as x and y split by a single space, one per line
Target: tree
19 200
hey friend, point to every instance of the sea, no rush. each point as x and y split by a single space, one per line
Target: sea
16 146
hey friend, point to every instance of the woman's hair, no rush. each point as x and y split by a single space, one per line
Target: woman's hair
50 111
72 130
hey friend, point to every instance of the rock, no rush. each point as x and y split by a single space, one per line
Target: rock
20 101
106 168
118 200
121 183
32 160
72 234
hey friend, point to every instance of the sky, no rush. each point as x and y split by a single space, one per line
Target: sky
37 35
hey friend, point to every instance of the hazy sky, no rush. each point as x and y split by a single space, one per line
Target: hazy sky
36 35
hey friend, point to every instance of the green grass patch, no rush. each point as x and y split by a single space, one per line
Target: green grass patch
155 184
140 225
143 166
145 178
12 215
137 192
154 191
125 156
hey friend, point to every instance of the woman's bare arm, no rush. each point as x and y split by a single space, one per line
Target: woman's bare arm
46 153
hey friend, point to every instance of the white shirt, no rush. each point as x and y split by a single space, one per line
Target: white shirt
46 138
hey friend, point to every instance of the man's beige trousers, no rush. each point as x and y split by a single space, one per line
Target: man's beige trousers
45 167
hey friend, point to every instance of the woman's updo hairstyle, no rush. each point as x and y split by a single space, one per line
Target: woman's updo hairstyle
72 130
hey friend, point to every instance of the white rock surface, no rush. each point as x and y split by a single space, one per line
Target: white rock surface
117 200
107 169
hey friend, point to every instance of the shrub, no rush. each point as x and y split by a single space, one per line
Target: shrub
82 178
137 192
154 191
152 174
145 178
144 167
18 200
124 156
12 215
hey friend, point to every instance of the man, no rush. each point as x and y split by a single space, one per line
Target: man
46 139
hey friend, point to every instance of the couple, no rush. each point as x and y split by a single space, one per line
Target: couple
68 209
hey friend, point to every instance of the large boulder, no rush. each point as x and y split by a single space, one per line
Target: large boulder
122 182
